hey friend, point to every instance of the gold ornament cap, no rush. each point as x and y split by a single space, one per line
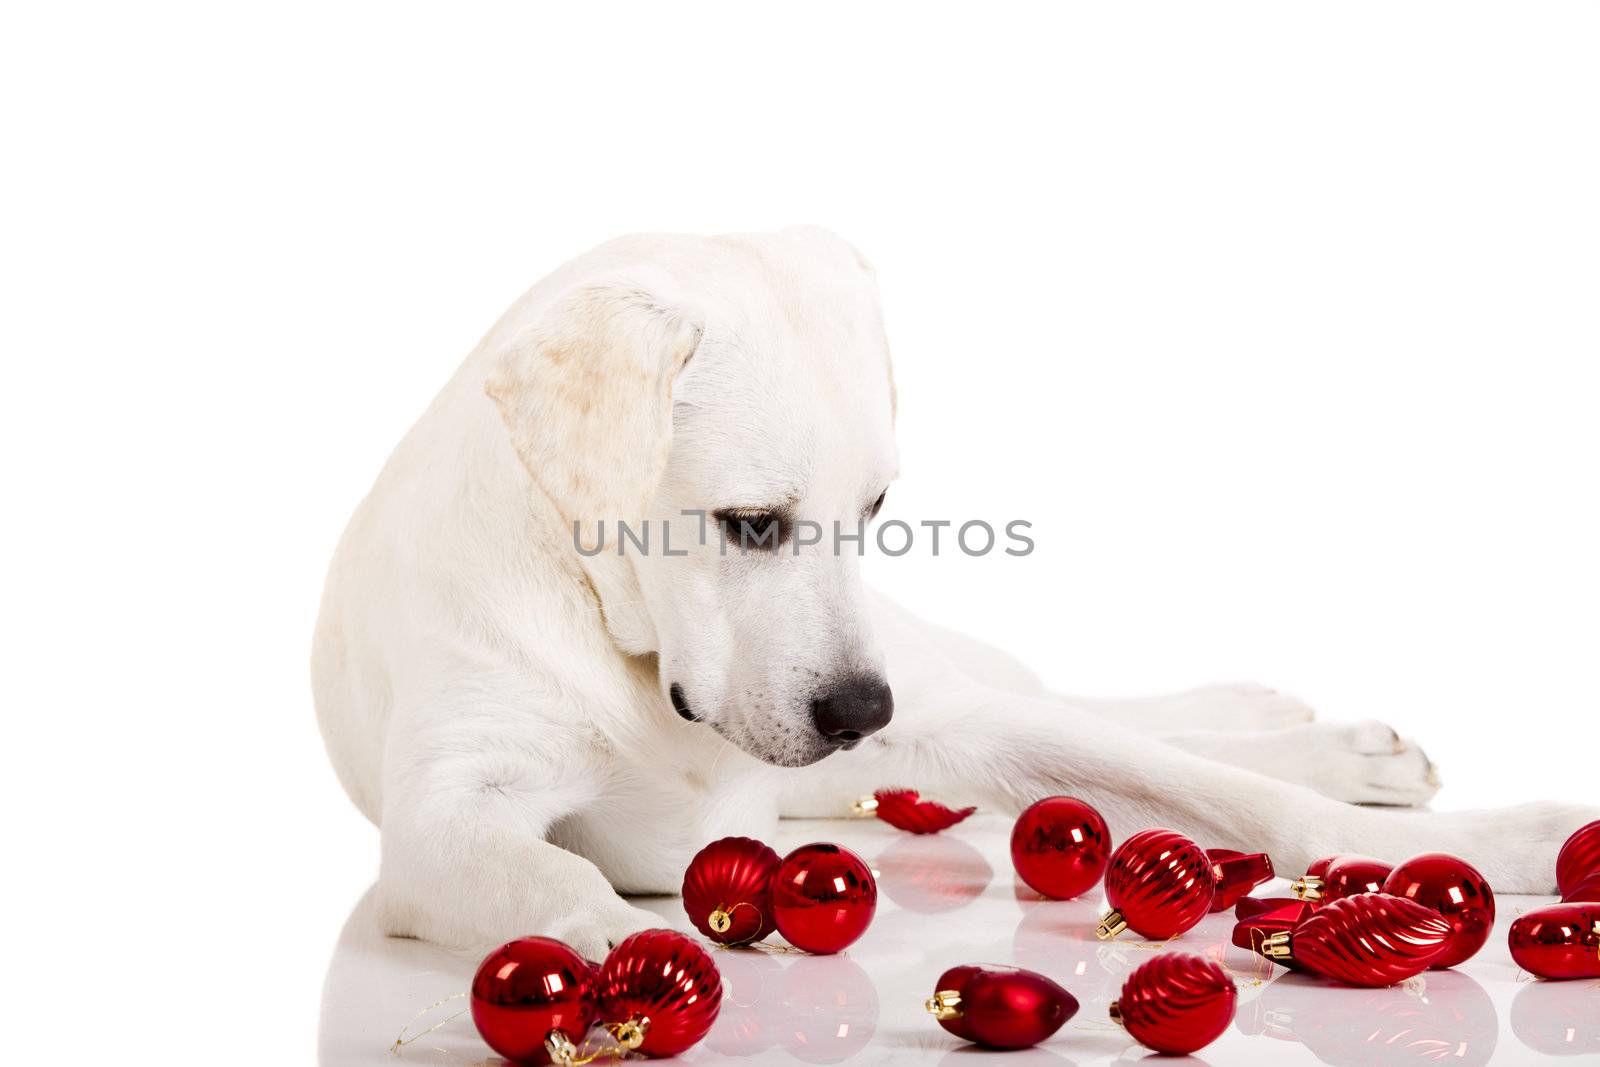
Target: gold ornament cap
1114 1009
1308 888
863 807
1111 925
1279 946
944 1005
630 1035
720 921
559 1047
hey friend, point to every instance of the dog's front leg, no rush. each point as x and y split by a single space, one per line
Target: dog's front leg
465 862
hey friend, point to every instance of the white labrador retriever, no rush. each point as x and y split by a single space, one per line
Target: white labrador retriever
536 729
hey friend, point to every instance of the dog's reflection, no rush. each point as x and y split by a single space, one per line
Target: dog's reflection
1442 1016
1558 1018
932 873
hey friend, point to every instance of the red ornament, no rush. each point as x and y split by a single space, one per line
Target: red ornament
1453 888
1000 1007
1558 941
903 809
823 898
532 999
659 993
1587 889
1159 884
1060 846
1333 877
1237 873
1252 906
1253 929
1176 1003
1579 857
1371 939
727 890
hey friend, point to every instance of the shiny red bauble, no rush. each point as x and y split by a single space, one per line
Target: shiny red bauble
1453 888
1350 875
727 890
1371 939
1587 889
1236 874
1579 857
529 991
1558 941
1159 884
904 809
823 898
658 992
1060 847
1000 1007
1176 1003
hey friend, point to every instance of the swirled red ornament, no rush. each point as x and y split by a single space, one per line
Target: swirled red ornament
1176 1003
658 993
533 996
1579 857
1000 1007
1236 874
904 809
1159 885
727 890
1558 941
1371 939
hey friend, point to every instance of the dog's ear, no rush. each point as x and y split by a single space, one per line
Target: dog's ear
585 392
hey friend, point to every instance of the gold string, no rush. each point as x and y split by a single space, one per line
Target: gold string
402 1039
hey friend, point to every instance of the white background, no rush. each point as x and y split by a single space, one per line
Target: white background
1279 323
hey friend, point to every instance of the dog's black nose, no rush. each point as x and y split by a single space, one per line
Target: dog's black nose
852 708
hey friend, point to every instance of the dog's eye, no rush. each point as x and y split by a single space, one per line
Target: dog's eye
749 529
877 506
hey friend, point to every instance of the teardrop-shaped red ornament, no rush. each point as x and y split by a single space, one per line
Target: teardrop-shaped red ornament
1000 1007
1371 939
1579 857
1237 873
1176 1003
727 890
1558 941
659 993
529 992
1159 885
904 809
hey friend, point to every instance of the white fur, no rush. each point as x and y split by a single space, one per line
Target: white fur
498 704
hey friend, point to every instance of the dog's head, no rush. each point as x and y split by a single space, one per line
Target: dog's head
730 401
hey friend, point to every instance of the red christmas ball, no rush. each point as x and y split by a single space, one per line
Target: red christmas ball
530 991
1558 941
1579 857
1587 889
659 992
823 898
1236 874
727 890
1349 875
1453 888
904 809
1060 847
1371 939
1176 1003
1000 1007
1159 885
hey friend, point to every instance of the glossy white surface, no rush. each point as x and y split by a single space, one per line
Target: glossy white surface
953 898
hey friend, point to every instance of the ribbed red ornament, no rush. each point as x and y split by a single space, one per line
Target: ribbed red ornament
659 993
904 809
529 991
1159 884
1176 1003
1558 941
1000 1007
1060 847
1579 857
823 897
727 890
1452 887
1237 873
1587 889
1371 939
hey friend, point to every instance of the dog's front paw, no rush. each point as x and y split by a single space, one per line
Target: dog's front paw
597 932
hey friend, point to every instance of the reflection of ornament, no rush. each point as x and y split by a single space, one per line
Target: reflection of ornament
1060 846
533 1000
1237 873
823 897
750 986
1579 857
1159 884
829 1009
904 809
1445 1018
1341 876
1558 941
1557 1019
1453 888
659 993
1059 939
930 875
1176 1003
727 889
1000 1007
1585 889
1368 940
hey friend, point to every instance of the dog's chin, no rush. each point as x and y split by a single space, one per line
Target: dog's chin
778 755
